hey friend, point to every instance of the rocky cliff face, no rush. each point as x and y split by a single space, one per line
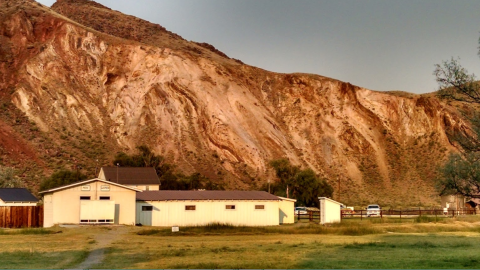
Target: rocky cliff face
86 81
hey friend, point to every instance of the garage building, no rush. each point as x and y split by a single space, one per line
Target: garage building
196 208
94 201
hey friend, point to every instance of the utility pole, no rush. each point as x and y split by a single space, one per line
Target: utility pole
118 165
338 188
268 185
96 166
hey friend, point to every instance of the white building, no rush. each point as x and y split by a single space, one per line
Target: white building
329 211
196 208
94 201
143 178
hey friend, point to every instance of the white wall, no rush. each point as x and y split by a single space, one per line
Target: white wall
173 213
65 204
286 211
329 211
2 203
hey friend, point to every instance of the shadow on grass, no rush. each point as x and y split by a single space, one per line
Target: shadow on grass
226 229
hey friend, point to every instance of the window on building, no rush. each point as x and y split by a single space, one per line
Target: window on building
189 207
259 206
104 198
85 198
230 207
147 208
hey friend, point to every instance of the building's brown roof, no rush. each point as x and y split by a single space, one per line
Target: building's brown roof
132 175
170 195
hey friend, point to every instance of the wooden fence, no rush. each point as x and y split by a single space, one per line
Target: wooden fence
310 215
21 216
409 213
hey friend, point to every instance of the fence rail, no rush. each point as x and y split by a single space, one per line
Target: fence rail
21 216
311 216
408 213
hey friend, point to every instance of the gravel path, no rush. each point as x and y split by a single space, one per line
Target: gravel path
102 241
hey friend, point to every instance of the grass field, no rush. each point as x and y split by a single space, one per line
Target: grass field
372 243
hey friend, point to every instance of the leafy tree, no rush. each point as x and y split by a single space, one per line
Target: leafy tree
460 174
303 185
7 178
170 180
61 178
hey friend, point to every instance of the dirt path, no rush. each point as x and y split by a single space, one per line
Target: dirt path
102 241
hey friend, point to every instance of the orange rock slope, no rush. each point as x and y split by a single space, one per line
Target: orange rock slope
89 77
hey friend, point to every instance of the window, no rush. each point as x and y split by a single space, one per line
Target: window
147 208
189 207
85 198
232 207
104 198
260 206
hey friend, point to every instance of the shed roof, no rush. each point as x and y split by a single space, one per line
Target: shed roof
131 175
16 195
170 195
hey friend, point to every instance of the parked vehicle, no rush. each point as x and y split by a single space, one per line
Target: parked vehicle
373 210
300 210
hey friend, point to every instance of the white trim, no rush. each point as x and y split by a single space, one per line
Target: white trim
328 199
287 199
89 181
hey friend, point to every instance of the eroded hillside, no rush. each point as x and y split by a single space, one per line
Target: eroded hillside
87 82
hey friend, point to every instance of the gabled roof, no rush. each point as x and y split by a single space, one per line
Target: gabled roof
185 195
16 195
86 182
131 175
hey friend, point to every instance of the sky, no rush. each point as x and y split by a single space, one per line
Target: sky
381 45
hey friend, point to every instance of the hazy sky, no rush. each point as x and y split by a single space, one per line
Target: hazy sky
376 44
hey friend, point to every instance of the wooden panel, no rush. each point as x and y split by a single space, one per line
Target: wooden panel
21 216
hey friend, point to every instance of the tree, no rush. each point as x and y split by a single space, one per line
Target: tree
166 172
460 175
461 172
303 185
61 178
7 178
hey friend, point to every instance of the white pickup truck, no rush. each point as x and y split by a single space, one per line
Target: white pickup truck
373 210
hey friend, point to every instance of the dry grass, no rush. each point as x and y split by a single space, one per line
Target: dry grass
352 244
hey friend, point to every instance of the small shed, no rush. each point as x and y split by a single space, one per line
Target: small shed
17 197
287 210
143 178
329 211
94 201
197 208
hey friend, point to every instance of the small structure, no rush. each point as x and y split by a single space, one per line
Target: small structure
143 178
453 202
329 211
287 210
94 201
197 208
17 197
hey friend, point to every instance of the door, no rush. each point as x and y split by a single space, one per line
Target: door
145 214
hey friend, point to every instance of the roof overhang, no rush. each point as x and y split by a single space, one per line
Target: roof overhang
330 200
287 199
86 182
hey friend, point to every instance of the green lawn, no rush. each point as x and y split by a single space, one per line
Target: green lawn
450 243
